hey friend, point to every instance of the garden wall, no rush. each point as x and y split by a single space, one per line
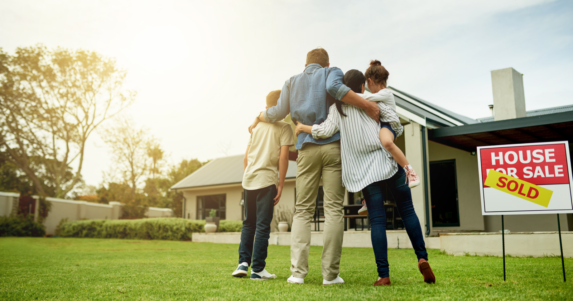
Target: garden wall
535 244
74 210
8 203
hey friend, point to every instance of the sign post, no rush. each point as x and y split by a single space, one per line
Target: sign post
503 245
561 248
530 178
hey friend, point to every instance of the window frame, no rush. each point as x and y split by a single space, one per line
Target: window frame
201 215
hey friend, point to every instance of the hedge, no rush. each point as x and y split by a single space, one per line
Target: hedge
149 228
20 226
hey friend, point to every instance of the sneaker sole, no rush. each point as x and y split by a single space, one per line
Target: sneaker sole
240 275
414 184
257 277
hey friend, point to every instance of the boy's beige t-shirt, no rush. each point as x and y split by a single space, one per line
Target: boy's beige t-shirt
264 151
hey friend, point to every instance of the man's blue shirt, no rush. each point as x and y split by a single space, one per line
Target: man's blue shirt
304 97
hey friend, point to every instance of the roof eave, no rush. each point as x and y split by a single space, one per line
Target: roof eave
222 185
501 125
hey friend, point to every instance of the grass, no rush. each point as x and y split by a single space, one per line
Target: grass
103 269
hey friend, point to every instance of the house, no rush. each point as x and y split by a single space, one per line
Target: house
217 185
440 145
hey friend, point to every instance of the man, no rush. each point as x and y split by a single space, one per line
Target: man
304 96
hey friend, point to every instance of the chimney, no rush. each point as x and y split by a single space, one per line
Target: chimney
491 110
508 95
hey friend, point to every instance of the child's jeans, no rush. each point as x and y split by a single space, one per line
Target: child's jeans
259 206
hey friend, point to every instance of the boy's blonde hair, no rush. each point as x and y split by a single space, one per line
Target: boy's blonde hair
273 98
317 56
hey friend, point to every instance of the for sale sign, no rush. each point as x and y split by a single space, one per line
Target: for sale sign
533 178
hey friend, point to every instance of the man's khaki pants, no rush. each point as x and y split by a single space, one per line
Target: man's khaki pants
316 161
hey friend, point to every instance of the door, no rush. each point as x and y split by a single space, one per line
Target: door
444 193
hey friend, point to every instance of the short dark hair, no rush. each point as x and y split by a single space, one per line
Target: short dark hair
354 79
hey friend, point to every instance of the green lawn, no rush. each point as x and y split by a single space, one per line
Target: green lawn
74 268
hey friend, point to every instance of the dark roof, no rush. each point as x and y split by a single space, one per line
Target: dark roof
545 111
411 106
222 171
541 128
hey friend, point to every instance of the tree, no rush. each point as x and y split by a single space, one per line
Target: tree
114 192
155 153
51 101
175 174
128 145
133 207
13 179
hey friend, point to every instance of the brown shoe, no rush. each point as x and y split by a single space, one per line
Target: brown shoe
382 282
426 271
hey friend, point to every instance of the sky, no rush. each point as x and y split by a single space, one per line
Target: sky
202 69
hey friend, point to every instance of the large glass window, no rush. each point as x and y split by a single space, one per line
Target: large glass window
444 187
207 202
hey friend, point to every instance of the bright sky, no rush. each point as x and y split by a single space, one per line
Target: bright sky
202 69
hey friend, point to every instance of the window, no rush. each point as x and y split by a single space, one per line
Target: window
208 202
444 187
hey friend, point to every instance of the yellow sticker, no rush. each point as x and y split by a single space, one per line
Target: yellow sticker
519 188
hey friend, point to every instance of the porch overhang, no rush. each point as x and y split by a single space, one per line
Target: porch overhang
542 128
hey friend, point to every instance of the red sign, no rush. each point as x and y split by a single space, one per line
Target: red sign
542 164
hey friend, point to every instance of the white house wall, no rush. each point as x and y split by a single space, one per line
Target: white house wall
234 194
413 147
526 223
469 203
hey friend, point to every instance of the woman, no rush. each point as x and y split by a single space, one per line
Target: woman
367 166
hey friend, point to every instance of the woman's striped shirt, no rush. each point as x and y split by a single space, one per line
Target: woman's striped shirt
364 159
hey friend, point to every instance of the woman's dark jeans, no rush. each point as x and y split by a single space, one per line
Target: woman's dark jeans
397 189
259 206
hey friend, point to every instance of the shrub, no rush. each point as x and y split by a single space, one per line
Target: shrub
149 228
59 226
20 226
230 226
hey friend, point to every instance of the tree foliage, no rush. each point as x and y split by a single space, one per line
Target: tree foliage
51 101
128 146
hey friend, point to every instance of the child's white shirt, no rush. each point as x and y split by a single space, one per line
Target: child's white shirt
385 96
387 105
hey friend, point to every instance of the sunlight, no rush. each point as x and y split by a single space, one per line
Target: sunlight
160 48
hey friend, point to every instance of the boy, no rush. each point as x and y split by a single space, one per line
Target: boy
266 164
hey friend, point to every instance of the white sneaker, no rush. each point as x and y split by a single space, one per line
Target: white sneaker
412 178
262 275
363 210
293 279
338 280
241 270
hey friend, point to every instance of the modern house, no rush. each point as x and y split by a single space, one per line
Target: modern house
440 144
